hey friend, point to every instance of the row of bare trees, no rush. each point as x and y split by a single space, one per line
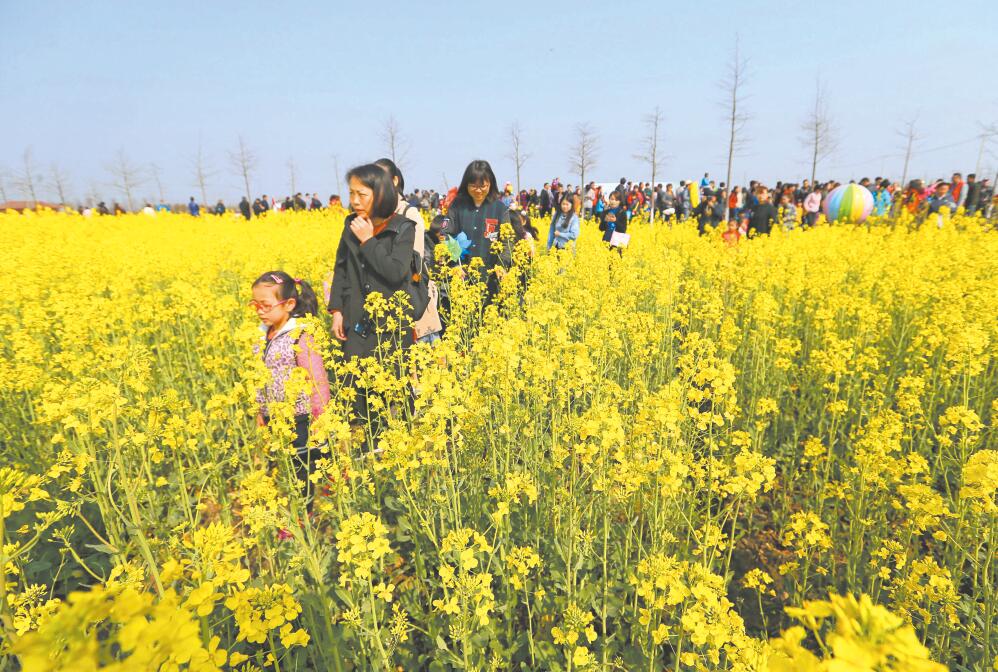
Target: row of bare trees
583 152
818 133
818 136
127 177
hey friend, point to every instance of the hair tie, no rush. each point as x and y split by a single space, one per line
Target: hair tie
297 281
276 278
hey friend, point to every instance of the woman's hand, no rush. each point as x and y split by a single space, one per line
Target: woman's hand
259 420
338 331
362 228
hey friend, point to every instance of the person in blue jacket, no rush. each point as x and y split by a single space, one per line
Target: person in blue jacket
564 226
882 199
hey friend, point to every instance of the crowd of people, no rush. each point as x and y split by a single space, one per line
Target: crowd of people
386 247
794 203
755 206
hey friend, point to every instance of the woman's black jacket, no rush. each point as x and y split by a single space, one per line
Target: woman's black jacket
382 264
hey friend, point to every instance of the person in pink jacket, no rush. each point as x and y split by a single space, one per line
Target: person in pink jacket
279 301
812 204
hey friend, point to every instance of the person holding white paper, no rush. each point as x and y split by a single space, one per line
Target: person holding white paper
614 223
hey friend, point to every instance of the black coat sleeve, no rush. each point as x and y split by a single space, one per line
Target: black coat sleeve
429 250
391 256
341 283
454 225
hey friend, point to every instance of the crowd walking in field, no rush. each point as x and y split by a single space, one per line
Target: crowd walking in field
386 247
798 203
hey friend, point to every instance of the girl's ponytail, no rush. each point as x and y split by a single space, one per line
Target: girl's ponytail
306 302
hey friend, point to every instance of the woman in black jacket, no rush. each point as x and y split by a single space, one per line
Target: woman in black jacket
375 254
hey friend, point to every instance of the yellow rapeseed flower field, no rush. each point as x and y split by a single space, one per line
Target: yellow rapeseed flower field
778 455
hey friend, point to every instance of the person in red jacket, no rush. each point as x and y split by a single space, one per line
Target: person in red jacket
957 189
732 235
913 196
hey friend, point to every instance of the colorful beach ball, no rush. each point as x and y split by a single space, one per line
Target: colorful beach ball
849 204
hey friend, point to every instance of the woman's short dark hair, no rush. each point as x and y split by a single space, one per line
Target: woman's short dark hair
478 171
377 179
394 171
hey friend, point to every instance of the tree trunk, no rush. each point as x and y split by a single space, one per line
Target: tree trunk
731 143
814 155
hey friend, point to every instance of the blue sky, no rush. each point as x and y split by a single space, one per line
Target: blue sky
311 81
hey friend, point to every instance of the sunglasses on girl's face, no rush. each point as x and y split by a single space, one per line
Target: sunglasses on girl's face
261 307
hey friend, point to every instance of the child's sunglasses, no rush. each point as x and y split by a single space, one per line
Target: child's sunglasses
265 307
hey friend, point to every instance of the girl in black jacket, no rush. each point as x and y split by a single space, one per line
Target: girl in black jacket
478 212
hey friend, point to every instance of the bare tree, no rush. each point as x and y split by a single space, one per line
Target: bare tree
819 134
157 175
3 186
243 162
93 195
910 136
516 151
395 143
127 176
987 132
293 174
651 154
60 182
27 180
583 152
202 173
336 169
735 115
